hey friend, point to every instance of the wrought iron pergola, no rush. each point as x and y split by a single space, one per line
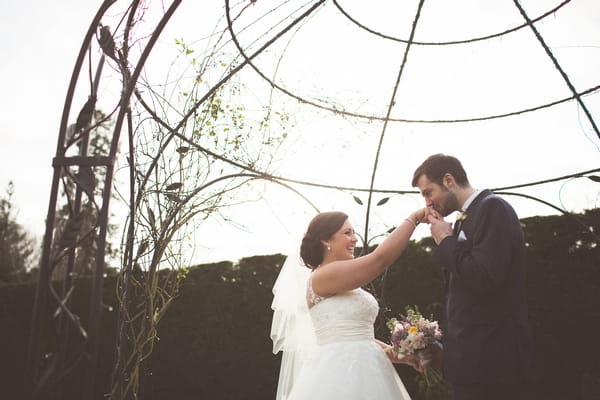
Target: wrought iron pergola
62 341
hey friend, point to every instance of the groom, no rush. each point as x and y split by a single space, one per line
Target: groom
487 341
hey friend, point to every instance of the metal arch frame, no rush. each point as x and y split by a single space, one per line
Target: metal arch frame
46 366
44 370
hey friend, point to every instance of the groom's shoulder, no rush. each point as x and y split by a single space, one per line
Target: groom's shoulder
488 196
491 200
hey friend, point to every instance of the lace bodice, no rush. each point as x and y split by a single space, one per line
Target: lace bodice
344 316
312 299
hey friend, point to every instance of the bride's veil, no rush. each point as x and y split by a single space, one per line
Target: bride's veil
291 330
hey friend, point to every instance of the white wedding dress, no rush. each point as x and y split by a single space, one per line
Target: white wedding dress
347 362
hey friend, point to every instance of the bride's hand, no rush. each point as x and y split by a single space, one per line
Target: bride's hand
392 355
434 214
420 215
414 362
411 359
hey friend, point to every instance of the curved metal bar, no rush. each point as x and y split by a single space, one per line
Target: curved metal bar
385 123
560 178
573 217
346 188
558 67
336 110
465 41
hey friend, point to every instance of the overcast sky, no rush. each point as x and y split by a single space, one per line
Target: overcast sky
331 60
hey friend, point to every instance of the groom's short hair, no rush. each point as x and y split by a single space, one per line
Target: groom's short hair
438 165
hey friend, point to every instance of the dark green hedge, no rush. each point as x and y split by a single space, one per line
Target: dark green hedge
214 341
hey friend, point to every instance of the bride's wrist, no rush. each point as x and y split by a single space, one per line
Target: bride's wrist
412 220
415 218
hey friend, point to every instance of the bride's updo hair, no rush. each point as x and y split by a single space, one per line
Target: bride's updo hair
322 227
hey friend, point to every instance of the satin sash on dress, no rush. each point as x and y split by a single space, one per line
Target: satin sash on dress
343 331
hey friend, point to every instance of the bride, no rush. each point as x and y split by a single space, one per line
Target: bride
323 320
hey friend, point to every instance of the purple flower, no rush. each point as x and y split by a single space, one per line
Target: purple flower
399 334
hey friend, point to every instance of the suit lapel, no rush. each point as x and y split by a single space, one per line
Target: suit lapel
457 226
471 209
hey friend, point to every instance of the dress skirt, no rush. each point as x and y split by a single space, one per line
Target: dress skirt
348 370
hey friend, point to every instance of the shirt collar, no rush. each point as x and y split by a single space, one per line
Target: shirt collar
470 199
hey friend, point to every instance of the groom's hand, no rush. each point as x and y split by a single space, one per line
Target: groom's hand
440 229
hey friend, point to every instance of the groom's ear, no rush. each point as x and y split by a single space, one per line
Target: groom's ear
448 180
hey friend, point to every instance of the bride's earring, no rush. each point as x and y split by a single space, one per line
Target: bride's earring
328 248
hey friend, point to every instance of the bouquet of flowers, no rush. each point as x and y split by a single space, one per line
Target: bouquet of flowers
415 335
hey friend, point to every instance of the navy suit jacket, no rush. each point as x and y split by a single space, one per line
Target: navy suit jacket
487 336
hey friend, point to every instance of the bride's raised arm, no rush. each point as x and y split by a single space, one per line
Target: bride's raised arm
335 276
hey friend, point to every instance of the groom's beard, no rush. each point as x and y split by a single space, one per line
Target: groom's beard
449 205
